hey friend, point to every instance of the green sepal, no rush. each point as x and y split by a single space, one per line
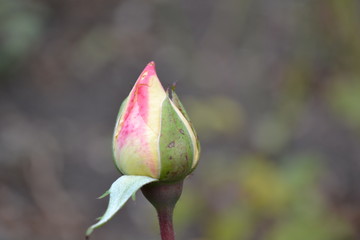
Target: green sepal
122 108
121 111
120 191
175 99
176 148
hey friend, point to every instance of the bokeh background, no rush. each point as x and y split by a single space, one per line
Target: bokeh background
273 88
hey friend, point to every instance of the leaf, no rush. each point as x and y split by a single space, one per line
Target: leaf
133 196
104 195
120 191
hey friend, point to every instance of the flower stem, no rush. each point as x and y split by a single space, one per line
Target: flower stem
166 224
163 196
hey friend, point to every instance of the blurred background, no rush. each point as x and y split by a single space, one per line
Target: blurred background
273 89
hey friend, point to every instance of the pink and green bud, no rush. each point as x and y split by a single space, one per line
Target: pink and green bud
153 134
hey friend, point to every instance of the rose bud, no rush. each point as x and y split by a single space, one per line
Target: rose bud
153 134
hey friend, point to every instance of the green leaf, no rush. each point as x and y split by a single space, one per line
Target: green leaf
120 191
104 195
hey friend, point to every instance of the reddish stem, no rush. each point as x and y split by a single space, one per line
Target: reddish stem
166 223
163 196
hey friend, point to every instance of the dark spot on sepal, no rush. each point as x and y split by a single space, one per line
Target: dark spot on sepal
181 131
171 145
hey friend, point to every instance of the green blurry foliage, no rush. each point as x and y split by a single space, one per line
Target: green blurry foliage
347 26
215 116
294 88
256 198
271 134
93 52
344 98
20 27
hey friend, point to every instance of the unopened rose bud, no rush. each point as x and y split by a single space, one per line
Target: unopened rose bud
153 135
